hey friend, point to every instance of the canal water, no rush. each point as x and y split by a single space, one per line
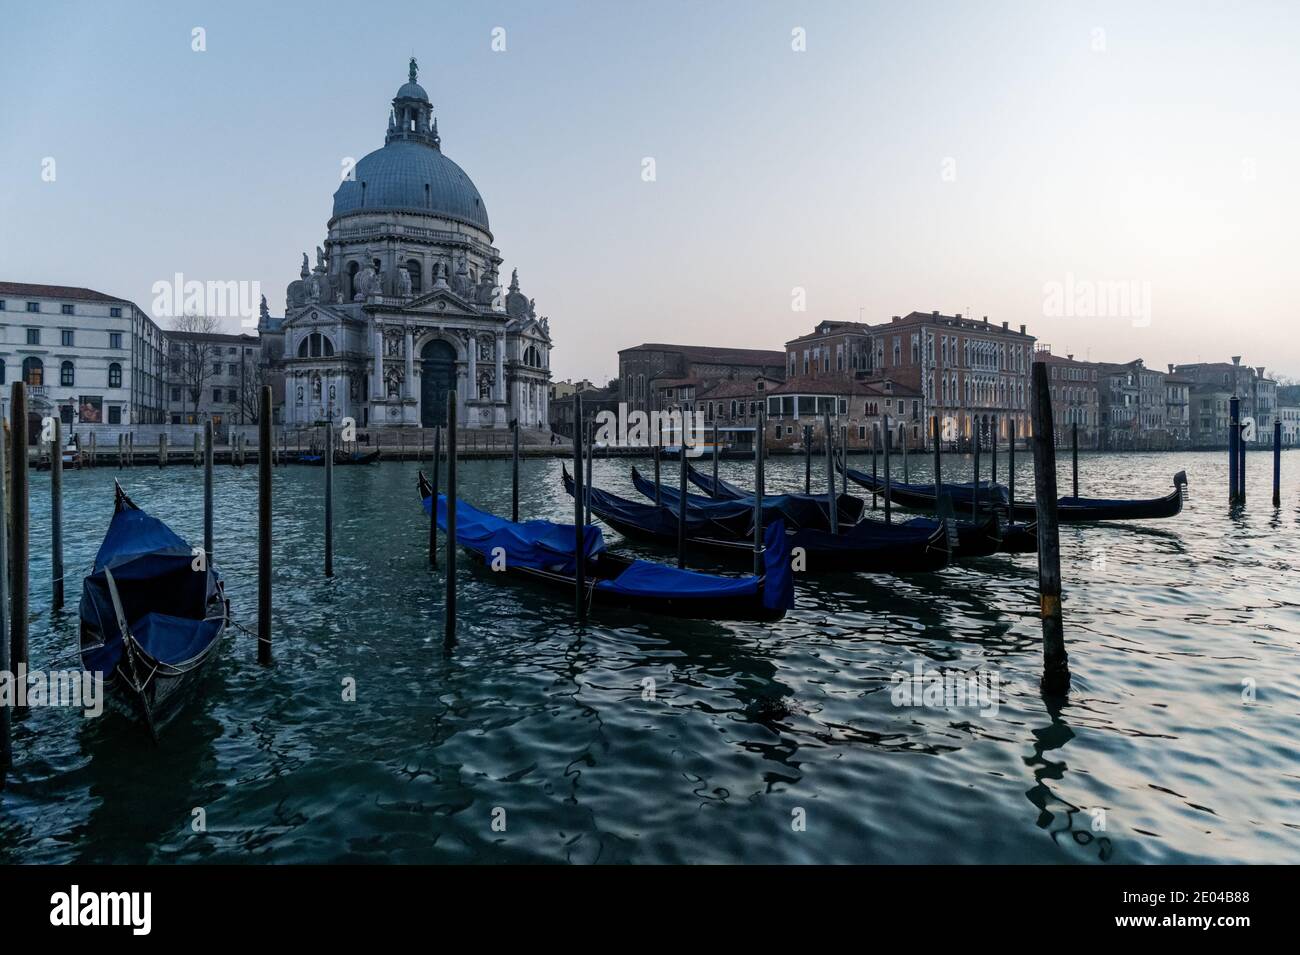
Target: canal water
639 739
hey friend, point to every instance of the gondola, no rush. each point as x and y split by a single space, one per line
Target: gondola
71 456
797 510
725 529
340 458
542 552
150 622
992 496
1081 510
972 538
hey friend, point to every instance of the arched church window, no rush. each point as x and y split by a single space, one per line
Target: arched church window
67 374
115 375
316 345
33 371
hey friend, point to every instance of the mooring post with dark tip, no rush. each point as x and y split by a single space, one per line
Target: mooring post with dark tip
207 490
162 449
329 498
579 528
1241 466
1056 664
449 632
6 717
1074 456
888 435
832 504
760 434
807 458
993 454
91 460
975 489
19 489
198 448
591 457
938 472
121 451
716 452
1234 436
433 509
875 437
264 530
654 452
1277 463
514 471
1011 472
56 517
681 503
906 476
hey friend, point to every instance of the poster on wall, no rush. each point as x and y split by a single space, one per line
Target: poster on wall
91 409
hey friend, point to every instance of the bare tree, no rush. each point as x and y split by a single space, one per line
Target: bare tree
252 376
192 364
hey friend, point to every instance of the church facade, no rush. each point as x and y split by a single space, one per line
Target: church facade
405 302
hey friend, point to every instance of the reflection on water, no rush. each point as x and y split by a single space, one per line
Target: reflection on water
642 739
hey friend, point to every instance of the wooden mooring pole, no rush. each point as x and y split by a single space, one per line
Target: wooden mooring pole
1011 471
681 502
1277 463
807 458
1056 664
264 529
1074 456
162 449
715 458
993 453
906 476
889 439
832 503
449 629
1241 465
91 462
198 448
6 712
975 488
207 491
938 467
760 434
579 529
591 456
433 507
56 518
658 438
875 436
19 528
1234 437
329 497
514 470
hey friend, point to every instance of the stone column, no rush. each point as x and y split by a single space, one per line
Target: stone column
501 364
472 391
377 376
409 344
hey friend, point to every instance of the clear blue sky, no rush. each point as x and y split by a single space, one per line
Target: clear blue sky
1169 157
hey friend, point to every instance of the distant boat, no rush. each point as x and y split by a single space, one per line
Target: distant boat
1078 510
340 457
543 552
71 456
150 622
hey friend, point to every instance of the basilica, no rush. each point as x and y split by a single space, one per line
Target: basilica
405 302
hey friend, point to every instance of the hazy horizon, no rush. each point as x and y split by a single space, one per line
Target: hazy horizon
991 159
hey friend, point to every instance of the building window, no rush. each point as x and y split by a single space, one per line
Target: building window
2 371
115 312
66 310
176 396
2 305
67 375
33 336
33 306
65 337
115 375
114 414
33 371
115 339
216 396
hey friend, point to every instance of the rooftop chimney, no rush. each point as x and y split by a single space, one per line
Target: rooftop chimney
986 319
1070 357
1004 326
935 314
1171 367
1022 329
957 316
1236 359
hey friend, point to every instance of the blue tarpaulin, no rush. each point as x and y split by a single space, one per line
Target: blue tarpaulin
541 545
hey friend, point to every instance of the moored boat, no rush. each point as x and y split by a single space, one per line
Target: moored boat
543 552
153 614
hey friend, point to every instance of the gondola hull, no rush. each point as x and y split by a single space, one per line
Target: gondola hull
870 546
990 497
619 583
152 619
341 458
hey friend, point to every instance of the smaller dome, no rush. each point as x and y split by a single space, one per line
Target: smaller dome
412 91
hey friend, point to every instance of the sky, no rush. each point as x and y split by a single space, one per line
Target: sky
1123 178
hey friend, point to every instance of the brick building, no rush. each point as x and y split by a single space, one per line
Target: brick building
1075 398
652 374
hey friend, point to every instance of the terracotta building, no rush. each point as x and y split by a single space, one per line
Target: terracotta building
1074 387
658 376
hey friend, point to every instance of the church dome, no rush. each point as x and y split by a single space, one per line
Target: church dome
410 173
411 176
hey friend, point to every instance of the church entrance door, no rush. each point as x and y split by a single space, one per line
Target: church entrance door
437 377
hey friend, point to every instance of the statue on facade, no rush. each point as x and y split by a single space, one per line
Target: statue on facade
305 270
393 381
320 259
264 312
485 385
367 284
485 349
404 283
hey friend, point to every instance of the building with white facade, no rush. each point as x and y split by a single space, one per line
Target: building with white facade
86 356
405 302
